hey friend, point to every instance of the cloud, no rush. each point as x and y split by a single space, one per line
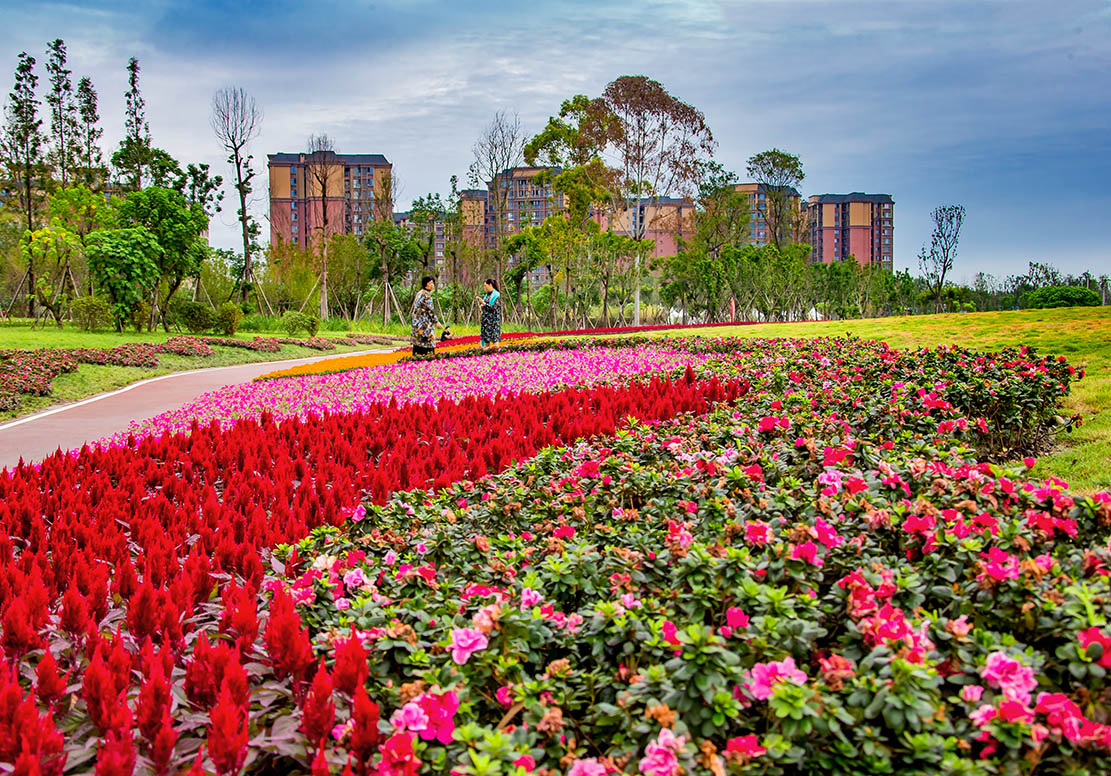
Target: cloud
1000 104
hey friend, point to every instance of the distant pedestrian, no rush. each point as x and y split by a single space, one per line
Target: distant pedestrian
491 314
424 319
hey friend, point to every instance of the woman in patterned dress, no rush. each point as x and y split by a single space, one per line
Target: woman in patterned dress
424 319
491 314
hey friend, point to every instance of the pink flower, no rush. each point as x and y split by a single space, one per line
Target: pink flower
526 762
354 579
630 601
959 627
661 757
983 715
670 634
1009 675
465 642
359 513
530 598
343 604
410 717
971 693
999 565
748 746
441 711
564 532
807 551
1094 635
765 676
505 695
758 532
588 767
736 618
390 559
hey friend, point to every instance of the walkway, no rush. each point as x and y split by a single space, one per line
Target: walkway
69 426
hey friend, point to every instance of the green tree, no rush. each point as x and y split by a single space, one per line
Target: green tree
779 172
425 214
177 226
81 210
50 250
133 159
398 253
23 150
63 113
87 140
124 264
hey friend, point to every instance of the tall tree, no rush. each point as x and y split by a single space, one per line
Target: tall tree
497 151
780 173
321 166
87 139
655 141
133 159
236 121
63 113
936 261
22 147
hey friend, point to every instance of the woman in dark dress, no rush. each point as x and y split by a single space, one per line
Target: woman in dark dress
491 314
424 319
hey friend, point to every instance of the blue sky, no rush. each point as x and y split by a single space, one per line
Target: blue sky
1003 106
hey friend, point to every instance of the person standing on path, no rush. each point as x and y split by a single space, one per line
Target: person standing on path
491 314
424 319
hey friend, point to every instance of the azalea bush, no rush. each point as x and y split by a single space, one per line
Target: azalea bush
761 591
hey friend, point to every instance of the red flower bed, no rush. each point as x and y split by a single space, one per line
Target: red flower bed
136 541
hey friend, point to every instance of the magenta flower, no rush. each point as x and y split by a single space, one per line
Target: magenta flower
530 598
410 717
971 693
1009 675
661 757
807 551
747 746
440 710
670 634
465 642
765 676
587 767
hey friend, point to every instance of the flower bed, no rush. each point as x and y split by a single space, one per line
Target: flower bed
260 344
110 558
767 591
418 382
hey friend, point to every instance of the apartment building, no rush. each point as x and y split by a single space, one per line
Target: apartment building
759 231
858 225
297 194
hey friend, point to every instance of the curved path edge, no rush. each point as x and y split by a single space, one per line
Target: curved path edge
69 426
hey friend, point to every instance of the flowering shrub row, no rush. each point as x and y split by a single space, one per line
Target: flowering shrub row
769 590
418 382
110 563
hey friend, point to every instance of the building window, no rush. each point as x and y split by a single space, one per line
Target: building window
294 216
294 228
294 239
293 205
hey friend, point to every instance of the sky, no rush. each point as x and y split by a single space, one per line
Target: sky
1002 106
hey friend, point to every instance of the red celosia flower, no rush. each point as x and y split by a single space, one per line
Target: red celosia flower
364 732
153 705
320 766
351 664
161 748
286 641
115 755
74 616
319 710
18 637
50 685
227 735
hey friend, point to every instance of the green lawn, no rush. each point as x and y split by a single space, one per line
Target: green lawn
1081 334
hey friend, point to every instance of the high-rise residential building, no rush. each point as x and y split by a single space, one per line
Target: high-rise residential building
527 202
666 220
759 232
297 204
858 225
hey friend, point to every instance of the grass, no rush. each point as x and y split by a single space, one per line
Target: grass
1081 334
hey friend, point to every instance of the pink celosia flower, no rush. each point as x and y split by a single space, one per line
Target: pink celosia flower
465 642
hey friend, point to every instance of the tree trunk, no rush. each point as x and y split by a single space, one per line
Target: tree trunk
243 226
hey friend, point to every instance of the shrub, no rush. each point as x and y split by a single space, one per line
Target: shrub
294 322
1062 296
91 312
140 315
228 317
196 317
313 324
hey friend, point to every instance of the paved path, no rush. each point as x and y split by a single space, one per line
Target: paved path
69 426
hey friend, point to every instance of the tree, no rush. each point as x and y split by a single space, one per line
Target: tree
22 146
236 121
176 225
655 142
124 263
779 172
51 249
398 252
497 151
133 159
321 165
425 214
63 113
87 140
936 261
81 210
